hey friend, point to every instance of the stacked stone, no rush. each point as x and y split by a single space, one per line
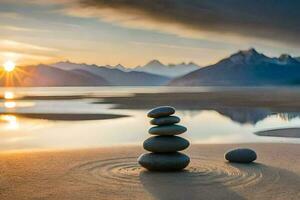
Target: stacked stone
165 144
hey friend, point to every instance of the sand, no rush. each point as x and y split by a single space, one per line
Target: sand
112 173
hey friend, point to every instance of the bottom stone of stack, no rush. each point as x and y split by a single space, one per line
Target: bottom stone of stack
164 161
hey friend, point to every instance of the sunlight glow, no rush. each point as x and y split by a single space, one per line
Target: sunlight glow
11 120
10 104
9 66
9 95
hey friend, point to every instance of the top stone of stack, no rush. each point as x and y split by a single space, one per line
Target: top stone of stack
165 123
162 111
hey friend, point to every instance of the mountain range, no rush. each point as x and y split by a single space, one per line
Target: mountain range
171 70
116 76
47 76
244 68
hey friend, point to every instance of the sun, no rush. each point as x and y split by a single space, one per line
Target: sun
9 66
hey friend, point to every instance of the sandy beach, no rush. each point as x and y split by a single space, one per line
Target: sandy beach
113 173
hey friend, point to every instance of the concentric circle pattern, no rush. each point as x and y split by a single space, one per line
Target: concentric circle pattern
202 171
122 171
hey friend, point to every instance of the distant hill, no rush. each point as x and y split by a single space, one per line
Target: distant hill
172 70
115 76
47 76
245 68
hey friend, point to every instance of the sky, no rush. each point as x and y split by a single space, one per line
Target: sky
133 32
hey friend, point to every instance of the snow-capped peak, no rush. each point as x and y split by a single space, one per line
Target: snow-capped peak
247 56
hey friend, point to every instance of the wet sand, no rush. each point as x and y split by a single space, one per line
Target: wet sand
275 100
66 117
112 173
282 132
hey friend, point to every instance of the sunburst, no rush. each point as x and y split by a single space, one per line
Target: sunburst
9 66
11 75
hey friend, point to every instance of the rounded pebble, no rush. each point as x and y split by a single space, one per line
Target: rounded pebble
165 120
165 144
167 130
161 111
164 161
241 156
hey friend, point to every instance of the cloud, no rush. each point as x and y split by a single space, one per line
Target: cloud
272 20
21 52
13 45
21 29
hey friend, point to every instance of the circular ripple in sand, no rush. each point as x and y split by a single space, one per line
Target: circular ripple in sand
202 171
123 171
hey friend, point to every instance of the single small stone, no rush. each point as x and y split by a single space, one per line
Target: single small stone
164 161
167 130
241 156
165 120
165 144
161 111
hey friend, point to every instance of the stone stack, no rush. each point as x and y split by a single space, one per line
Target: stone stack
164 146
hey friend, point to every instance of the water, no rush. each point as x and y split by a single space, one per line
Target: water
204 126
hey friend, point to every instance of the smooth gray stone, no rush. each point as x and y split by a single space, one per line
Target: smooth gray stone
161 111
167 130
241 156
165 120
165 144
164 161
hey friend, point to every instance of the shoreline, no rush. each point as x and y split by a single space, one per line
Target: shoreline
292 132
283 101
66 116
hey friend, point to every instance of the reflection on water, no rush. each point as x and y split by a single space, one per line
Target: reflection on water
9 95
213 125
10 121
244 115
10 104
253 115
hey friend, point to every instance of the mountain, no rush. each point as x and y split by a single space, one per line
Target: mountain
47 76
115 76
119 67
286 59
245 68
172 70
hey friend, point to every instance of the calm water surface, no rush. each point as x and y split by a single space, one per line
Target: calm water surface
204 126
